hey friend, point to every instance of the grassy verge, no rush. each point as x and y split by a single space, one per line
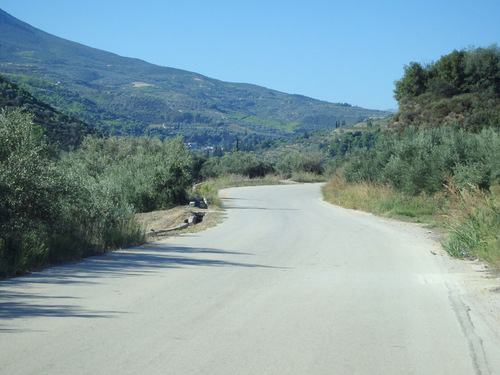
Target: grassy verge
474 224
307 177
383 201
467 219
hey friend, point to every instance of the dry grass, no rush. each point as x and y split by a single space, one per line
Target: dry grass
307 177
474 223
381 200
166 219
467 219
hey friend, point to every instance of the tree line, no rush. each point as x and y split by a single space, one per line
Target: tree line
462 87
460 72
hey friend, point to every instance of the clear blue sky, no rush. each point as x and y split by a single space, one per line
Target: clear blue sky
339 51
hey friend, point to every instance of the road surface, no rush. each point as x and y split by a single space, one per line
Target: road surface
287 284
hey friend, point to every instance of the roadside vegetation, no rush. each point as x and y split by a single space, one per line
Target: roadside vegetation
61 205
381 200
71 194
439 162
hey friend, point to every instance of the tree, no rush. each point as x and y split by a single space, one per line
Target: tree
483 69
413 82
447 76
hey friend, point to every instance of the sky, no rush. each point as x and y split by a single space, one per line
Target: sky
348 51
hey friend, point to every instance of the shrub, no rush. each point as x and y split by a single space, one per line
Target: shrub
238 162
419 161
298 162
48 212
29 185
149 174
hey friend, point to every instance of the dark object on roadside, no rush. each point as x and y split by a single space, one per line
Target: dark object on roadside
195 218
202 203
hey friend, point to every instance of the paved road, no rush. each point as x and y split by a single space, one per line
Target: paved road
286 285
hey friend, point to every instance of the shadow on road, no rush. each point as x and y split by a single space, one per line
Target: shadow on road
19 305
16 302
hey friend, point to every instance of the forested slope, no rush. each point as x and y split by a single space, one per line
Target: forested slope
63 130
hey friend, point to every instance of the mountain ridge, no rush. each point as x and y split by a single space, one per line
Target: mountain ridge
123 95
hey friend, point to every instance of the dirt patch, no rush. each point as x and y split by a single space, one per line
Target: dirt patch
159 221
141 84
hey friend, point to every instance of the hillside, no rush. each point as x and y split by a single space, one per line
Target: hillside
63 130
128 96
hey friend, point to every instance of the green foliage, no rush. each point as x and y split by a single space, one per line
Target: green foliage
417 162
413 82
28 183
148 173
462 87
459 72
63 130
300 162
447 77
482 69
239 163
353 140
60 207
49 213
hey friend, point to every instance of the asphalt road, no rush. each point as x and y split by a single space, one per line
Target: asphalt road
287 284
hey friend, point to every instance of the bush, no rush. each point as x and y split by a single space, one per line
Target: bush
240 163
48 212
461 87
149 174
420 161
300 162
29 185
466 71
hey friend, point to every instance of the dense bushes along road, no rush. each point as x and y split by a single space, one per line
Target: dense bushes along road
58 206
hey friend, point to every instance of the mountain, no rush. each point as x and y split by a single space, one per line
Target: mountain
120 95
